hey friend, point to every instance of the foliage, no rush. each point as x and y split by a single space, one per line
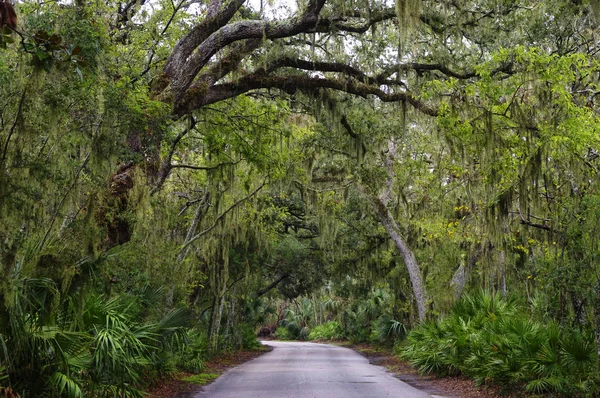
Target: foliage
191 357
282 333
389 329
248 339
329 317
85 343
492 340
133 200
297 319
327 331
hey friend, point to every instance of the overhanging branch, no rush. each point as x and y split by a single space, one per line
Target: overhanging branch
183 66
199 33
359 22
292 84
222 215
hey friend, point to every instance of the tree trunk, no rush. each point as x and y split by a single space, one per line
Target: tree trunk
579 309
502 259
229 329
217 312
200 211
414 271
387 219
597 318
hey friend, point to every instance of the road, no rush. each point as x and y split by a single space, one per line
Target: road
308 370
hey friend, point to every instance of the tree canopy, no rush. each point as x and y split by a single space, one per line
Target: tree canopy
222 165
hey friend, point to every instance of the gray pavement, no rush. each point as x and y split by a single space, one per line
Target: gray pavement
308 370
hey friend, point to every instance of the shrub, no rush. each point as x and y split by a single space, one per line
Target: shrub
327 331
388 329
283 333
492 340
192 356
247 336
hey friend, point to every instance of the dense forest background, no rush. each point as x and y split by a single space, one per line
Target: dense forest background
177 174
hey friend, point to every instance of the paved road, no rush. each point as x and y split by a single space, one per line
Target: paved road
308 370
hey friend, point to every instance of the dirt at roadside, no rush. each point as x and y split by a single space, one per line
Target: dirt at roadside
177 388
450 387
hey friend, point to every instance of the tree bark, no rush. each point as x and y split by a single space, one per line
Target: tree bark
380 205
229 328
414 271
217 312
597 318
200 211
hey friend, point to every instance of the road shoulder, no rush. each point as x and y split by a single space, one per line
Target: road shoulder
176 387
447 387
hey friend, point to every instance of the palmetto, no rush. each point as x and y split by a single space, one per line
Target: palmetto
63 346
492 340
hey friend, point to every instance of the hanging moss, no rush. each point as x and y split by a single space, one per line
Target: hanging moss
408 13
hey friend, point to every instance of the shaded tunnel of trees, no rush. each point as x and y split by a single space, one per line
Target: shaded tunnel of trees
176 175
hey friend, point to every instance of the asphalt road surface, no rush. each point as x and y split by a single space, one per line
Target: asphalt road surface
308 370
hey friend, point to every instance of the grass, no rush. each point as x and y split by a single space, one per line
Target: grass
201 378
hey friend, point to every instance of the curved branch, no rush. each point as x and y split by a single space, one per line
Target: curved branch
381 78
189 166
532 224
345 24
420 68
199 33
183 66
291 84
230 62
167 166
325 67
272 286
13 128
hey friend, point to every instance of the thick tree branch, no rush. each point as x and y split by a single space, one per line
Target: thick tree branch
421 68
381 78
388 162
193 84
357 23
291 84
199 33
230 62
336 67
183 66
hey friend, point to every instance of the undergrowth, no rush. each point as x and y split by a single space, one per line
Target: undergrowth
494 341
327 331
